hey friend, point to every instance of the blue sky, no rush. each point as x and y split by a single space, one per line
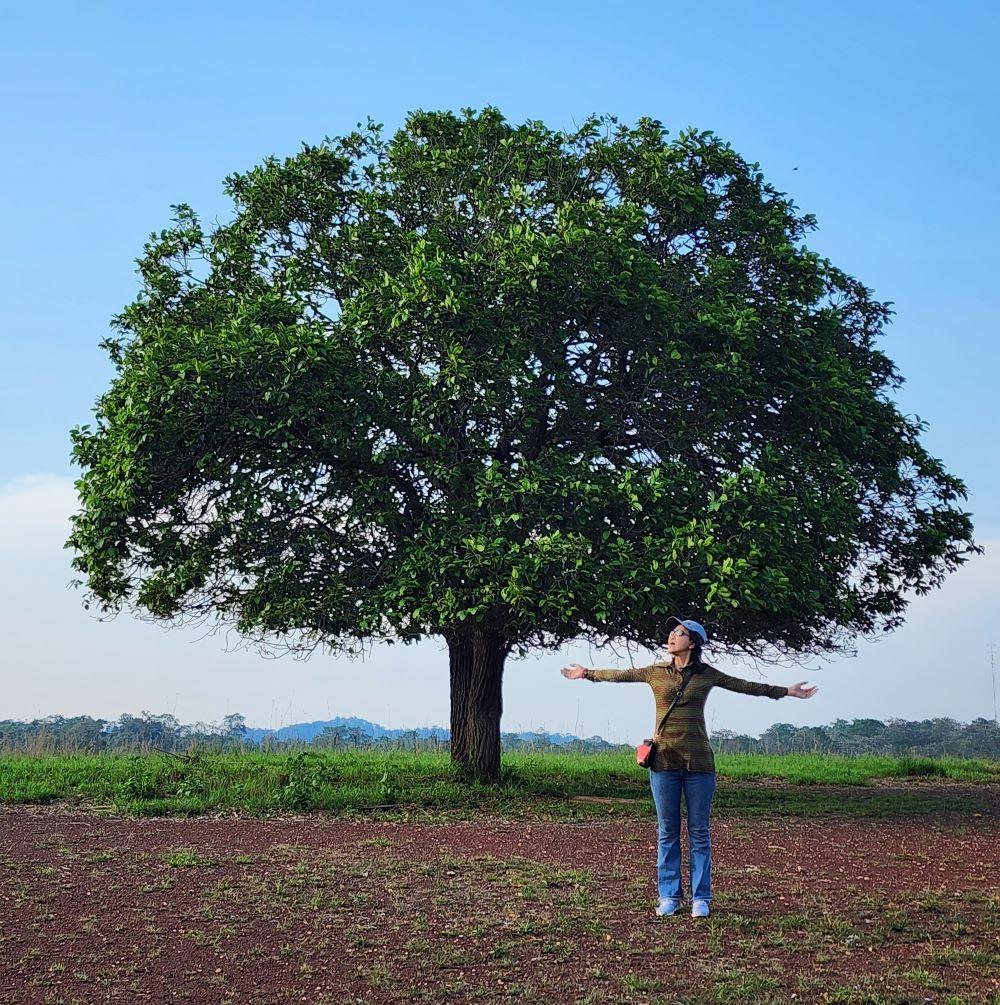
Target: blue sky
874 117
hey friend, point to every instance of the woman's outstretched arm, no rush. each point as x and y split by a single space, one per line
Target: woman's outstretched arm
800 690
632 675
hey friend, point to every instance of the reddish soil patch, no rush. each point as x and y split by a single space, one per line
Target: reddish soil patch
319 910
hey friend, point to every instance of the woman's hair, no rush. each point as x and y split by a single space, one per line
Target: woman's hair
696 644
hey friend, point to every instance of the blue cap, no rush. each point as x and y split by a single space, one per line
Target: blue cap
691 626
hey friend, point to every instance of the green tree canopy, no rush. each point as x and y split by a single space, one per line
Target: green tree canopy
508 386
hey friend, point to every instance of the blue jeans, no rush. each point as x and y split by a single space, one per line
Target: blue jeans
699 787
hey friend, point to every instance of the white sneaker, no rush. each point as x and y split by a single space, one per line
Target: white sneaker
699 908
668 906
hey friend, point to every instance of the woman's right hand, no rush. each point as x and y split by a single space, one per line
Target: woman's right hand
574 671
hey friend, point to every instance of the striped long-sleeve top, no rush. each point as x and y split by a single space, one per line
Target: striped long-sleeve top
682 742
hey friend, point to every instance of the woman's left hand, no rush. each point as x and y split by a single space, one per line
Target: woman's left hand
801 691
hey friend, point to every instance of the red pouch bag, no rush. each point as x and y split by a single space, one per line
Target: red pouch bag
644 752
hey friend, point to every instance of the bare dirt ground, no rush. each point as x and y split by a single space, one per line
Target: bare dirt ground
102 909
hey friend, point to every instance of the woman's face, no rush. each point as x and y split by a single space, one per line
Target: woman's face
679 641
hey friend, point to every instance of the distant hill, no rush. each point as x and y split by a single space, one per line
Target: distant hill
308 731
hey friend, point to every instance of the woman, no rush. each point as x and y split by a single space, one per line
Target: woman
683 758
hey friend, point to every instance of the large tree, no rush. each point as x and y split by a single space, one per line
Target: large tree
508 386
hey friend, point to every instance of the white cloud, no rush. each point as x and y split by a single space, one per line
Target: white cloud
59 659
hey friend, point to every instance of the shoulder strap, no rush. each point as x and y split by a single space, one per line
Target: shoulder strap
685 680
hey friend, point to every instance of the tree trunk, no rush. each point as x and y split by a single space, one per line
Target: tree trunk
476 658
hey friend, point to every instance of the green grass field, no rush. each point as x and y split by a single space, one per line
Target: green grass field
555 786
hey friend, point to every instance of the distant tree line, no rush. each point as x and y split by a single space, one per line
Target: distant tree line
897 737
352 737
57 734
147 732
